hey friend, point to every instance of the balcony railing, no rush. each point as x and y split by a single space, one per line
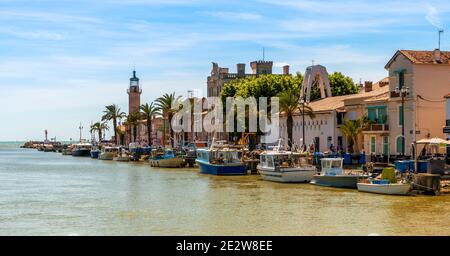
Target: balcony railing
376 127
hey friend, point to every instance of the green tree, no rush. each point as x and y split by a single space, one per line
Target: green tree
351 129
165 103
339 84
133 121
289 103
99 127
148 111
112 112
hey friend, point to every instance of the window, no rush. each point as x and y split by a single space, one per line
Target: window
386 145
352 115
373 145
401 79
400 115
377 114
400 144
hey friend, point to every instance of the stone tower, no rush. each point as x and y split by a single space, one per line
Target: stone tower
134 94
261 67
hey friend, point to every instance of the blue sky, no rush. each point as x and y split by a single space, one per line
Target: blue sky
62 61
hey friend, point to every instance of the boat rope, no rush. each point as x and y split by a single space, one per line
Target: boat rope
415 184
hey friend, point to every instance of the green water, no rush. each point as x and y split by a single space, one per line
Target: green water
50 194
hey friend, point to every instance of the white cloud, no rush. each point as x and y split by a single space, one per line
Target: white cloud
33 35
235 15
433 17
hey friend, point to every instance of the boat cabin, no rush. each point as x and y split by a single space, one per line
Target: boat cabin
332 166
282 160
219 156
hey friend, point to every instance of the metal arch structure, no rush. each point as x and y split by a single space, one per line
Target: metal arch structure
313 73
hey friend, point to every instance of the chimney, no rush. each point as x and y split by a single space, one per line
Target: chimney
241 69
286 70
368 86
437 55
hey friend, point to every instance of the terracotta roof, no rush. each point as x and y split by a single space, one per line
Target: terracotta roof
421 57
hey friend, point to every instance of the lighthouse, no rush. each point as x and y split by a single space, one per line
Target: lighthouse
134 94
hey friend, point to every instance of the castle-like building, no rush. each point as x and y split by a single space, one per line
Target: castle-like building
220 76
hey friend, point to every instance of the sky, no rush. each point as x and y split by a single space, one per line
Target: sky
62 61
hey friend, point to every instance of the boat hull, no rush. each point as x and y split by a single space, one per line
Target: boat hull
95 154
288 175
106 156
338 181
214 169
82 152
386 189
121 158
174 162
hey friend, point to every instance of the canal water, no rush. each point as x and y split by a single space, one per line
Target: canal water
50 194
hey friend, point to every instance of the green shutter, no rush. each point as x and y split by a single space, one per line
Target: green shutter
400 115
399 145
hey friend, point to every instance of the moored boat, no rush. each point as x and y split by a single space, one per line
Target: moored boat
221 160
122 156
285 166
82 149
108 153
387 183
166 158
332 175
95 152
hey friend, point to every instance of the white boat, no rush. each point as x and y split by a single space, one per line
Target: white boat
285 166
387 189
108 153
166 159
332 175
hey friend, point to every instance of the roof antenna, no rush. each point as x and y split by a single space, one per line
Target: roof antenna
440 31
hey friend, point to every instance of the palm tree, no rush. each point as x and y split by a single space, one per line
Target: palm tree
113 113
133 121
165 103
99 127
351 129
289 103
148 111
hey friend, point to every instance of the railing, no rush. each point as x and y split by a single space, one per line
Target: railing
377 127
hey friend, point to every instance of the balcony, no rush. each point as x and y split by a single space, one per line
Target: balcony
376 128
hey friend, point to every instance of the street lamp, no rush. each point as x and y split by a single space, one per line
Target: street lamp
302 101
403 92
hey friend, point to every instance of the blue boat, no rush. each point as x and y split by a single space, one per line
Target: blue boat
221 161
82 149
95 152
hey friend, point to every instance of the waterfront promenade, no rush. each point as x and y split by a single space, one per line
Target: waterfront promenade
50 194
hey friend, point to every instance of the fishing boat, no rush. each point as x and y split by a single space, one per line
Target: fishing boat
285 166
221 159
332 175
82 149
166 158
95 152
67 151
108 153
387 184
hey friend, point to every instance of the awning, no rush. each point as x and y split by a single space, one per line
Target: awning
435 141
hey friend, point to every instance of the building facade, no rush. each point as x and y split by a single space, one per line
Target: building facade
420 112
220 76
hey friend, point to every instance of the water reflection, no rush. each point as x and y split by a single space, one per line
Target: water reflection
47 193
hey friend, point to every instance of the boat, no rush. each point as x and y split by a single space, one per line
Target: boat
95 152
387 189
332 175
67 151
285 166
387 184
122 156
166 158
82 149
221 159
108 153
